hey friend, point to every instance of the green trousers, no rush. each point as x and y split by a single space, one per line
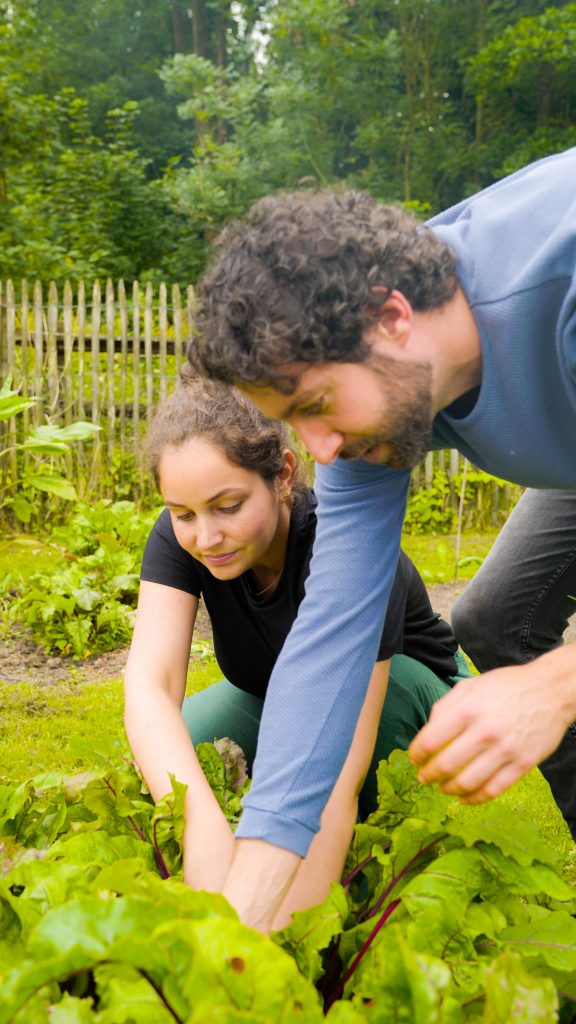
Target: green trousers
224 710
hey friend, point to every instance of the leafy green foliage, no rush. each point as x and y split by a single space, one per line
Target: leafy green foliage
83 604
99 176
438 920
36 476
90 932
433 508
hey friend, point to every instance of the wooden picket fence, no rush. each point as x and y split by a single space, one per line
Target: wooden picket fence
110 355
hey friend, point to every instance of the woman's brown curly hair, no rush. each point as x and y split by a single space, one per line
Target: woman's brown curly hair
294 281
222 415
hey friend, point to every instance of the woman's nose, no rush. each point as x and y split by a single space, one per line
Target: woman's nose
208 534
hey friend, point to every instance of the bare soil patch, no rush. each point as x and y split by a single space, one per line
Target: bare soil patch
22 660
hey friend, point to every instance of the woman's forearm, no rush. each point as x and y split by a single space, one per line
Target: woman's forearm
325 860
161 746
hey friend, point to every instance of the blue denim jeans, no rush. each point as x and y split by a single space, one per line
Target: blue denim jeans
518 605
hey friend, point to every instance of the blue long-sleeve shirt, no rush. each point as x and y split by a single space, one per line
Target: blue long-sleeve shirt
516 257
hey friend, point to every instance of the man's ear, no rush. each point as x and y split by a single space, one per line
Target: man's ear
395 318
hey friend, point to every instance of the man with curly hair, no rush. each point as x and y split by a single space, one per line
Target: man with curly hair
379 339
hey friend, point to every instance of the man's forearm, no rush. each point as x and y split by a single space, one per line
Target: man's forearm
259 879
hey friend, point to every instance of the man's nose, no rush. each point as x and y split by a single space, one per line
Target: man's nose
322 442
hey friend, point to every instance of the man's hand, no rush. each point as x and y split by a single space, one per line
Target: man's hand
492 729
260 876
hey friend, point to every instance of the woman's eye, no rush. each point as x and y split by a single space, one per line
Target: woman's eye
185 517
231 508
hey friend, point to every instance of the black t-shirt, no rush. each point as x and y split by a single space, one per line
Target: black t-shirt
249 632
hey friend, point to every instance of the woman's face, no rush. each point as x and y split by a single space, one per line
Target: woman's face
226 517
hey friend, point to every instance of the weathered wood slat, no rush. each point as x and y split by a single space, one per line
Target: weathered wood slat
10 436
110 400
123 312
51 351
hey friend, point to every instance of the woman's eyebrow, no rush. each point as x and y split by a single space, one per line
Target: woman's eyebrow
219 494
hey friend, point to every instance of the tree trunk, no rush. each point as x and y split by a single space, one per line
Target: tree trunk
178 28
200 29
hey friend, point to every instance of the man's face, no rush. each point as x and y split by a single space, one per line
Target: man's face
379 410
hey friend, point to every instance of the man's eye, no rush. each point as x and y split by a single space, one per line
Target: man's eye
314 409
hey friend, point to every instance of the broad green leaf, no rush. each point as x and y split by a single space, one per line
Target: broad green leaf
226 969
396 984
80 430
57 485
343 1012
12 403
311 931
514 995
552 939
125 997
491 824
455 877
71 1010
44 446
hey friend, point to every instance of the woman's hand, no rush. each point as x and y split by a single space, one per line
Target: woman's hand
155 683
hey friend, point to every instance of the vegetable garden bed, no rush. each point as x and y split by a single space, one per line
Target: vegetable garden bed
440 918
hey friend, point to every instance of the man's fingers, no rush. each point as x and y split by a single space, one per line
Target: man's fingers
449 718
499 782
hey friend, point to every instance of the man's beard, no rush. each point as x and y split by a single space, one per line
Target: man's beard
407 430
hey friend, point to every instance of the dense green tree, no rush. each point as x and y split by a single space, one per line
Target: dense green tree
130 132
525 79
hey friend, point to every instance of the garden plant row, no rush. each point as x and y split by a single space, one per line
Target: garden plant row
441 916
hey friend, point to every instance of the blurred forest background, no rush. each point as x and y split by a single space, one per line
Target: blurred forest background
131 130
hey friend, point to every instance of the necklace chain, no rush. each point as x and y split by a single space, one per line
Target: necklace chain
269 587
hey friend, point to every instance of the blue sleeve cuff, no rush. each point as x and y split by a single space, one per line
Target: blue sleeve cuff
273 828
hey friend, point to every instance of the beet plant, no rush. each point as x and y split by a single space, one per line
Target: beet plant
441 917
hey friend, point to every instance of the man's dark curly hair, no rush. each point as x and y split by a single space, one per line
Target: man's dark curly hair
295 280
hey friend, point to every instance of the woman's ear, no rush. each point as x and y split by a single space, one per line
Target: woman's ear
287 474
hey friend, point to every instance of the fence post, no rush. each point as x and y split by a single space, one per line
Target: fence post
163 330
123 312
10 357
190 312
95 354
111 408
148 351
177 320
24 383
38 352
81 329
136 357
81 321
68 345
52 350
2 349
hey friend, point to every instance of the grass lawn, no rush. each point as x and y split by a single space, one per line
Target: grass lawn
435 555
